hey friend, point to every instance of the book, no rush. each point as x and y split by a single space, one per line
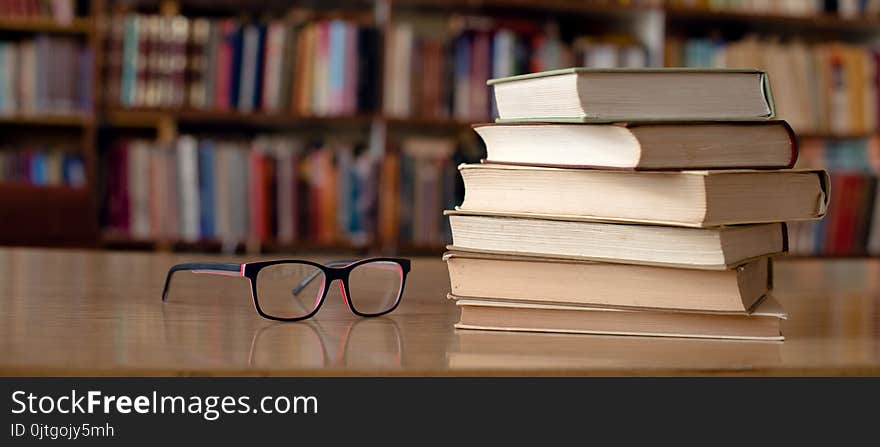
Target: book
687 198
642 145
761 324
716 248
559 281
544 350
188 177
608 95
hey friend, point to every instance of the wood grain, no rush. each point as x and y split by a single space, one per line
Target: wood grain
67 312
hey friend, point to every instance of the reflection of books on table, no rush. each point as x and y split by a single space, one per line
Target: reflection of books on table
524 350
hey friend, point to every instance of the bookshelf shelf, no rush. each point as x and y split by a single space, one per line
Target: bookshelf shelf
70 120
47 215
25 189
606 8
140 117
819 23
114 240
439 123
37 25
833 136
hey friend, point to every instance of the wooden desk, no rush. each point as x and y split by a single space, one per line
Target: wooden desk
100 313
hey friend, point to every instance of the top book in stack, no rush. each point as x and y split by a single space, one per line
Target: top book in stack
611 95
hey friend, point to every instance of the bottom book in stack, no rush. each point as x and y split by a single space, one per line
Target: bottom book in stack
541 294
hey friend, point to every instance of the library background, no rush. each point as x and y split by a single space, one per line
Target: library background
278 126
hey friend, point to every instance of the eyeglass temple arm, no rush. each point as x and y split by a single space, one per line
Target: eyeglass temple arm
308 279
211 268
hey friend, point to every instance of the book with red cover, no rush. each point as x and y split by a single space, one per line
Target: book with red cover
222 88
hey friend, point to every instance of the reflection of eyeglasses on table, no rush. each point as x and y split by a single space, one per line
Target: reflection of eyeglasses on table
292 290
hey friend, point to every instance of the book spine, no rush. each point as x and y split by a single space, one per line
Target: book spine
206 189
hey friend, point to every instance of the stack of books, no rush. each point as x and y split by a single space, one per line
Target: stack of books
630 202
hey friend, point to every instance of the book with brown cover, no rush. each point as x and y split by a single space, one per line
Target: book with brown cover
550 351
681 198
763 323
643 145
537 279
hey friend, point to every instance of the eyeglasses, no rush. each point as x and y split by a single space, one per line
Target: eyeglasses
293 290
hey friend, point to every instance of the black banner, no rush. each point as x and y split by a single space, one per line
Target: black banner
413 411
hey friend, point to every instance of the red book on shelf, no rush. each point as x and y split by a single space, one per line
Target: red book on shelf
480 73
117 203
851 224
224 68
157 193
831 220
842 220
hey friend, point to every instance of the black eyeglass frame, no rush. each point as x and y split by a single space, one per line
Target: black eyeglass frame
251 270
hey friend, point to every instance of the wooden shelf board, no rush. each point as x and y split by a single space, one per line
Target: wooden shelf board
24 189
146 117
442 123
70 120
112 239
606 8
834 136
43 25
816 22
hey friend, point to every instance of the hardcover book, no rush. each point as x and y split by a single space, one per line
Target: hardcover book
762 324
643 145
686 198
488 276
627 94
716 248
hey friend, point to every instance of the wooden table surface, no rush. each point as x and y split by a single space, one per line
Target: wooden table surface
99 313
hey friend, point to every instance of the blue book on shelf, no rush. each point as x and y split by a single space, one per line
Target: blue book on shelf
335 63
39 164
74 170
461 75
127 93
235 76
206 189
259 68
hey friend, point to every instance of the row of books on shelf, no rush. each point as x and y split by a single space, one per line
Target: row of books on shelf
827 88
42 167
418 179
45 75
271 189
852 226
443 74
843 8
313 67
59 11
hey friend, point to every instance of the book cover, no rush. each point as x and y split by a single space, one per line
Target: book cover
767 91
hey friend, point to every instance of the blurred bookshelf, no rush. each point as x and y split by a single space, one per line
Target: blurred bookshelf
346 119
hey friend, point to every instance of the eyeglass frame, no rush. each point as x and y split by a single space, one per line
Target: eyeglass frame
332 271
